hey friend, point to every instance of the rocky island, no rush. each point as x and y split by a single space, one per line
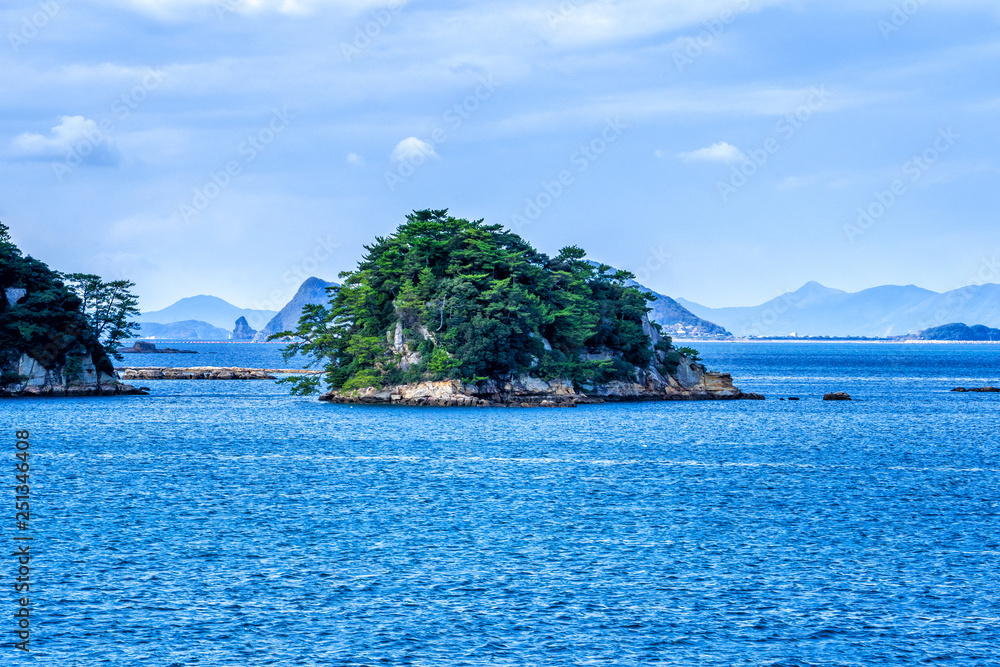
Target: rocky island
142 347
47 345
448 311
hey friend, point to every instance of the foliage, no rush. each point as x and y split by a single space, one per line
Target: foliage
690 353
108 306
46 323
477 302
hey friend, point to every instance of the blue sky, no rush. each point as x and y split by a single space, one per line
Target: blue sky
726 151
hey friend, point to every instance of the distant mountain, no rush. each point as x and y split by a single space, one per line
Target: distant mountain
889 310
677 320
211 309
186 330
312 291
960 331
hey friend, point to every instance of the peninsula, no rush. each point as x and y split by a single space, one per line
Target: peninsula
448 311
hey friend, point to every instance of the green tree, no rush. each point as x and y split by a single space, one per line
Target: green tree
477 302
46 323
109 308
690 353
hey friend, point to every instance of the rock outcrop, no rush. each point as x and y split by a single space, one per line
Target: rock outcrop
978 390
242 331
837 396
79 377
198 373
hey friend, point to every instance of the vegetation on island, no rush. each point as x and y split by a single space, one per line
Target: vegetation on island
960 332
59 320
448 298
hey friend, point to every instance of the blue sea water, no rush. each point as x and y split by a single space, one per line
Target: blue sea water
227 523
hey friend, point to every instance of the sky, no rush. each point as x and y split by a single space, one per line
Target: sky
725 151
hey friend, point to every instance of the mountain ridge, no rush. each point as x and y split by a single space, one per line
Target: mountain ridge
207 308
882 311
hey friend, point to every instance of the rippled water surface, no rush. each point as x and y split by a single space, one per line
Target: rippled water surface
226 523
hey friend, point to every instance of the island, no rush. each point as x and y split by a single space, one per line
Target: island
959 331
451 312
47 345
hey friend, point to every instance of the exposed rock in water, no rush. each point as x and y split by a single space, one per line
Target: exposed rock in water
837 396
199 373
978 390
142 347
79 377
242 331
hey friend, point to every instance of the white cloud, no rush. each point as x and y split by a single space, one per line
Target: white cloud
412 150
720 152
355 159
75 138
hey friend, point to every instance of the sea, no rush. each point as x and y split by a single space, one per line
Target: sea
230 523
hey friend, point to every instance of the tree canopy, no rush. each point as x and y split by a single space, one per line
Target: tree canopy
47 322
108 306
449 298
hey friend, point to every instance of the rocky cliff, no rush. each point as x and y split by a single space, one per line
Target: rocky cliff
78 377
242 331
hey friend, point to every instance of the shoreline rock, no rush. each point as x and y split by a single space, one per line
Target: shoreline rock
195 373
36 381
529 392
